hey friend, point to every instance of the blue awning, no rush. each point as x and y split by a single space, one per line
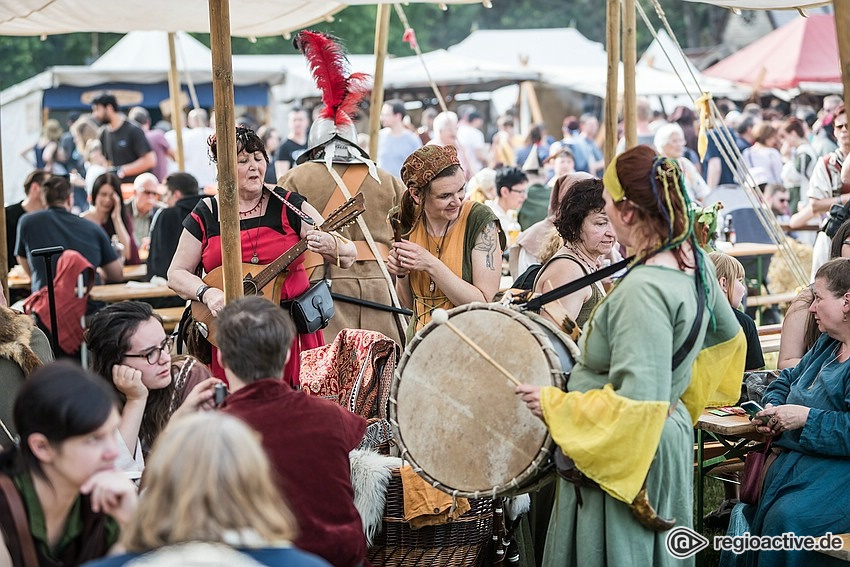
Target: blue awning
148 95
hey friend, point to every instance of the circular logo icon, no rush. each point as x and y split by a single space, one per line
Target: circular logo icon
684 542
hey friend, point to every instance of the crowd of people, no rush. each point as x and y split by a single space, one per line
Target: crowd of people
448 216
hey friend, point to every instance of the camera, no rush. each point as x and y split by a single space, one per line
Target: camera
835 218
219 394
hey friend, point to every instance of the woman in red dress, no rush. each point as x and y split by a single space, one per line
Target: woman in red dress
268 228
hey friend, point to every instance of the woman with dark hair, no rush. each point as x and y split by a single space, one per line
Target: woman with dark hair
637 376
807 413
108 212
271 221
587 235
453 254
61 474
129 349
799 328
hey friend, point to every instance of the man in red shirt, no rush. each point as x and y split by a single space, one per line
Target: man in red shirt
307 439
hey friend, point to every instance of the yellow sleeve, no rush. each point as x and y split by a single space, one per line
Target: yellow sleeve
611 438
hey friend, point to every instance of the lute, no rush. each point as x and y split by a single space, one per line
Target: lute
268 281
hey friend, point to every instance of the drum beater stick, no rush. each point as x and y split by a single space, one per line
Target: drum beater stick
441 317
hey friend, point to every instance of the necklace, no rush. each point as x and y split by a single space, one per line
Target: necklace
581 258
439 250
255 259
255 207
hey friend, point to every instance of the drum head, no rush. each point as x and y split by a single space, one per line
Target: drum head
458 416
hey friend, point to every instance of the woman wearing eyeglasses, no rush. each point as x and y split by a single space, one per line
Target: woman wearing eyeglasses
130 349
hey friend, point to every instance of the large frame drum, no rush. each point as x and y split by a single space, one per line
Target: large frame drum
456 417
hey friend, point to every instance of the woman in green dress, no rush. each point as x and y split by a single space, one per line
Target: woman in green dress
627 419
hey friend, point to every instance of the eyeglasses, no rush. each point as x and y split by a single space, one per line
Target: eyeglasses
840 126
523 191
155 355
151 193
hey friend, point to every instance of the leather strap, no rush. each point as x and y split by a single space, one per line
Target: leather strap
352 177
364 253
19 517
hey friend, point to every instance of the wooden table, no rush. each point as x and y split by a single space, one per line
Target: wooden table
736 433
844 552
130 273
112 293
746 249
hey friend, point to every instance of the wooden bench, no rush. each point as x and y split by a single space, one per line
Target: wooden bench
170 317
770 299
766 330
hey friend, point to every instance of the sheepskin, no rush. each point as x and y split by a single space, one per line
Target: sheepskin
370 476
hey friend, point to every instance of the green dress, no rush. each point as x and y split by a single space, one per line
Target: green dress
628 346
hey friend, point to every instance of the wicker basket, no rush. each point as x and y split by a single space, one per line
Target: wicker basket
464 542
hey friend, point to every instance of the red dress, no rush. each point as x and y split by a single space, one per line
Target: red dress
269 236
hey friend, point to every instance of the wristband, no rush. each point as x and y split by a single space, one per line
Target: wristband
201 291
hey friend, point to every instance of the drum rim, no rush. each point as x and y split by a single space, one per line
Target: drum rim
527 479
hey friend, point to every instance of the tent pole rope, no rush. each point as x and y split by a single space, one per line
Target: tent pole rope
731 155
193 94
415 45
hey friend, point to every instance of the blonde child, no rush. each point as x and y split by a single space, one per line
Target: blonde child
730 275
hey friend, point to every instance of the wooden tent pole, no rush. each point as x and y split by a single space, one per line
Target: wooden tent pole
176 110
225 131
4 261
613 46
842 24
382 29
629 64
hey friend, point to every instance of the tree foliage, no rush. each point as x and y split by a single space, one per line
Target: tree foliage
695 25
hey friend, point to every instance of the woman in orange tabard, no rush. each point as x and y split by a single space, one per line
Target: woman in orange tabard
453 252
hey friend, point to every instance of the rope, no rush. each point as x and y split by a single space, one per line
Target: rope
415 45
729 152
188 74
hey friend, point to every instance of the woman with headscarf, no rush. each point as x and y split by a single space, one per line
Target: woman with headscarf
640 376
453 254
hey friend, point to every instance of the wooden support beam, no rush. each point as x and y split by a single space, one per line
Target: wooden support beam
842 27
225 131
629 64
382 30
174 93
612 35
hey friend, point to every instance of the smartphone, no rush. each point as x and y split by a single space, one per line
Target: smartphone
219 394
752 408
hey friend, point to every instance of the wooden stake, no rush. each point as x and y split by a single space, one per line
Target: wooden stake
612 90
629 65
382 30
842 24
4 261
225 131
174 92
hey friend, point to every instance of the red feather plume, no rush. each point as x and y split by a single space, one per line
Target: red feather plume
328 64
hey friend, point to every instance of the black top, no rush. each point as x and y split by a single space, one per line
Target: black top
166 228
13 215
755 358
125 145
289 151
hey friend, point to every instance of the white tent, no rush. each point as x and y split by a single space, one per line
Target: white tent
138 66
248 18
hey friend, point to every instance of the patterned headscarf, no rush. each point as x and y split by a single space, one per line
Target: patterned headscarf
426 163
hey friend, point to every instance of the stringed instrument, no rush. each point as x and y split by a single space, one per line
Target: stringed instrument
267 280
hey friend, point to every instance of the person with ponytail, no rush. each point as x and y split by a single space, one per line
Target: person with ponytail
453 252
62 502
642 380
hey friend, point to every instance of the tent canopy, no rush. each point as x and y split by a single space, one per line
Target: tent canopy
248 18
803 51
764 4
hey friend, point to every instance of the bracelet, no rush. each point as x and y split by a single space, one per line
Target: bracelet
201 291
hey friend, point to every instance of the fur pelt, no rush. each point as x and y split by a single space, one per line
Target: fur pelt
517 506
370 476
15 334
